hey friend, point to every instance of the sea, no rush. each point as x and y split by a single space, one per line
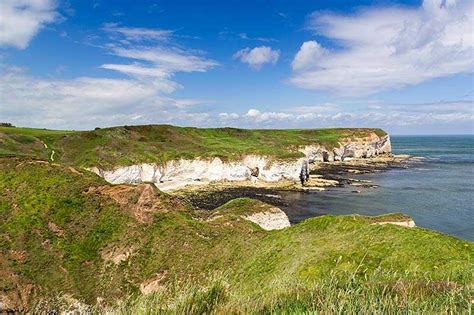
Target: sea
437 191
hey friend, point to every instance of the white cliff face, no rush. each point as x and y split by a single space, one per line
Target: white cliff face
273 219
408 223
363 148
179 173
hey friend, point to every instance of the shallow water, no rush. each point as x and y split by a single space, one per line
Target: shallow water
437 192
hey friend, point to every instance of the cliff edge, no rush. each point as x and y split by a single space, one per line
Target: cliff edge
176 174
173 157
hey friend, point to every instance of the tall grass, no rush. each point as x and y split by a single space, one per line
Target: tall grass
379 293
187 299
337 295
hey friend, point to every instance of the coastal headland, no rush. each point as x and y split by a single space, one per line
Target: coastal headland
101 221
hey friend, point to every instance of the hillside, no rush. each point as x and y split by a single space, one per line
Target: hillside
130 145
64 232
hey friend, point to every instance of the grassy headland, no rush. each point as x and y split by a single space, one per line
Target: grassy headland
66 231
129 145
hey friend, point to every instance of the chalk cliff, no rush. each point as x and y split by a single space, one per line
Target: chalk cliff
272 219
176 174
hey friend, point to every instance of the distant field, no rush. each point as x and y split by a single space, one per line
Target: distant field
158 143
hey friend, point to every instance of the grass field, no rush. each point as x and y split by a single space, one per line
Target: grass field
66 231
129 145
380 293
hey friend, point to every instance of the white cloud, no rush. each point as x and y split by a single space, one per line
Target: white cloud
228 116
168 59
40 102
157 65
253 113
138 69
87 102
187 102
258 116
401 117
227 34
309 55
137 33
84 102
257 56
21 20
261 39
386 48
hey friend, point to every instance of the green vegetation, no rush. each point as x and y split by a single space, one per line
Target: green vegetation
128 145
241 207
49 228
382 293
66 231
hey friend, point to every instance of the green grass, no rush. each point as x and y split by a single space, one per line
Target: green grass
241 207
381 293
35 131
272 271
128 145
33 196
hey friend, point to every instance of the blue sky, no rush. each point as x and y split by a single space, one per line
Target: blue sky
406 66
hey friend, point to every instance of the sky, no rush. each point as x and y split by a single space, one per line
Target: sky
404 66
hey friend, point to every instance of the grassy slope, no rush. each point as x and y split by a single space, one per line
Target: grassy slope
181 244
156 143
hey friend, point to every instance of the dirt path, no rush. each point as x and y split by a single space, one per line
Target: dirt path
51 157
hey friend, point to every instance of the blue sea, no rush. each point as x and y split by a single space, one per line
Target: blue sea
437 191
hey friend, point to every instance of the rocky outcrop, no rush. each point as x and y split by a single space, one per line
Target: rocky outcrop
272 219
360 148
408 223
179 173
153 284
145 203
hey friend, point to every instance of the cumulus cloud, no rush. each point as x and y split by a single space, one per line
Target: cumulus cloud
259 116
386 48
21 20
228 116
309 55
257 56
391 116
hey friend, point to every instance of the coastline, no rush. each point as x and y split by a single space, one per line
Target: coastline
323 176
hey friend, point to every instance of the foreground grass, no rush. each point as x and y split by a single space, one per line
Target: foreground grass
127 145
379 293
61 229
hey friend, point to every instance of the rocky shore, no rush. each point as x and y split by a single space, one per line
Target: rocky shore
323 176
